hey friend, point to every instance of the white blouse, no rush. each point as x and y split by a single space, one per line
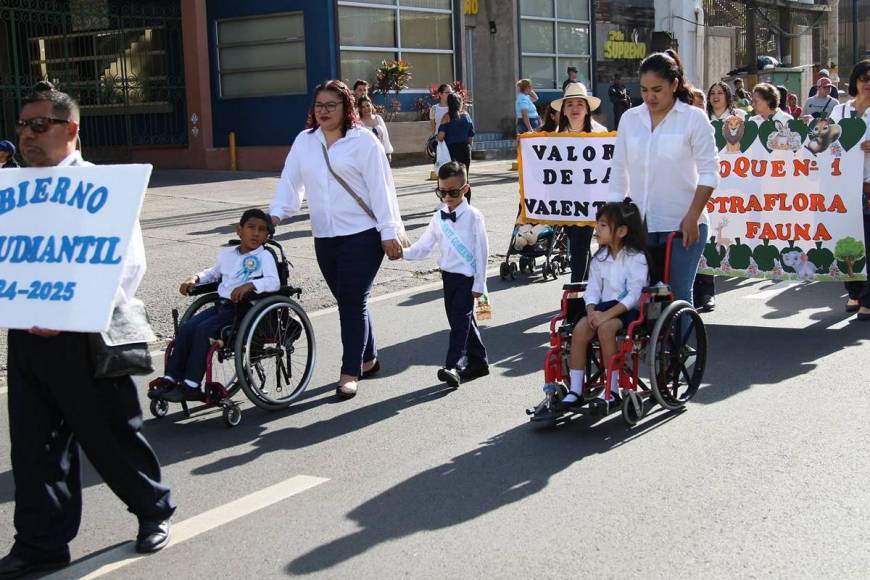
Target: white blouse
622 278
359 159
382 134
778 115
726 113
845 110
660 169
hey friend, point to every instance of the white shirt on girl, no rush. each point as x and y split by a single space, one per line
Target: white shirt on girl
622 278
359 159
470 229
234 269
660 169
436 113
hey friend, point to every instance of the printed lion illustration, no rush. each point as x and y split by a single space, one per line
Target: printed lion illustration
733 130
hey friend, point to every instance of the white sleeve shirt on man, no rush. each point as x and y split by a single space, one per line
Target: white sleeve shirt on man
660 169
234 269
470 228
359 159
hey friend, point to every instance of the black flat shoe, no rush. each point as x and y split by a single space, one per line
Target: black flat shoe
162 387
449 376
577 403
183 393
472 372
707 304
372 371
13 566
152 537
852 307
863 316
602 408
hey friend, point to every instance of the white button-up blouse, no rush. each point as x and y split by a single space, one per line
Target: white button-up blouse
359 159
660 169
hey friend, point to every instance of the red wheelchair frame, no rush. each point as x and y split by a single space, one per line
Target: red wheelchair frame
671 352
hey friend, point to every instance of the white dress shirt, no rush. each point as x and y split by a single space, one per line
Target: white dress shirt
135 263
470 229
778 115
846 110
660 169
383 134
622 278
359 159
728 113
234 269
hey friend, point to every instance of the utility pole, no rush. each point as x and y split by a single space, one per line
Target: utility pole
855 53
751 47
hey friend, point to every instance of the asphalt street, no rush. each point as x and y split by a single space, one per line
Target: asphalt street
761 476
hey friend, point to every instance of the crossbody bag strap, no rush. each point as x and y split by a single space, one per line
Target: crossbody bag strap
346 187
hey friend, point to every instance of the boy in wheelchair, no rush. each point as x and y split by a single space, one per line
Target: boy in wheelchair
242 269
618 272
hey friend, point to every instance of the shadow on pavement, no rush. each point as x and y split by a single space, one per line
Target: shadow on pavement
505 469
175 178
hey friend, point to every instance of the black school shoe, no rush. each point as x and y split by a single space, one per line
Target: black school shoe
164 385
153 535
182 392
707 303
602 408
472 372
12 566
450 376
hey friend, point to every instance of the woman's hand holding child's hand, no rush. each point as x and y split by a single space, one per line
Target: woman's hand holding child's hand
188 285
477 294
241 291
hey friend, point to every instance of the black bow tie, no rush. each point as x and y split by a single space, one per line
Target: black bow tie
448 215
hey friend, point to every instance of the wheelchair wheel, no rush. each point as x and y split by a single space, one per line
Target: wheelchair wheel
274 352
223 367
679 347
159 408
633 408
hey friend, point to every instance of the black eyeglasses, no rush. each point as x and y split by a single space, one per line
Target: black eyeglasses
442 193
38 124
329 106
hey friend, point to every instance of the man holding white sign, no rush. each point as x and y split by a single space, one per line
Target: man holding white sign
55 402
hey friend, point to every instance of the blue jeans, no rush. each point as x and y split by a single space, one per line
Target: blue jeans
684 261
349 265
521 125
187 360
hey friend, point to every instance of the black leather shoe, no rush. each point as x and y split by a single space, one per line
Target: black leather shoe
707 304
15 567
162 387
372 371
183 393
449 376
472 372
153 536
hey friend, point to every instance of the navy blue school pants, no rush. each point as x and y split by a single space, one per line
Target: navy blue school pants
464 334
187 359
349 265
56 406
579 239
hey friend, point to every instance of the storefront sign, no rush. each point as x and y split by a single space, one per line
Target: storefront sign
564 178
472 7
63 237
789 203
616 47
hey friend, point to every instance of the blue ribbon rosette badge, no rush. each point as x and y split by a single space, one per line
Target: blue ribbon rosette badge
250 264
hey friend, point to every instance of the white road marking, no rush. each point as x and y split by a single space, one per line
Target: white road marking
124 555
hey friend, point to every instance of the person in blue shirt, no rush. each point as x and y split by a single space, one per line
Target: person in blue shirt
456 129
527 115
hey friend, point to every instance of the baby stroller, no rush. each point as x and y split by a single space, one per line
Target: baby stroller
533 241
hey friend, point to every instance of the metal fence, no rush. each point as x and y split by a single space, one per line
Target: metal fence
121 59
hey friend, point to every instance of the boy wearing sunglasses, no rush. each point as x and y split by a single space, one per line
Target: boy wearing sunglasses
459 232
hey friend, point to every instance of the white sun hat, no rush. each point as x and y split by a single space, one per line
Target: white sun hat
574 91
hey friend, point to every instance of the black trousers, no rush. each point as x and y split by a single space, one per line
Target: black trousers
461 152
860 291
55 406
579 239
464 335
705 285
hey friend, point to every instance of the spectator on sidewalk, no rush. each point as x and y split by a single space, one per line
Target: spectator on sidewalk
457 131
375 122
551 120
783 98
439 109
824 74
341 167
526 112
699 99
7 155
572 77
794 108
360 89
619 98
823 103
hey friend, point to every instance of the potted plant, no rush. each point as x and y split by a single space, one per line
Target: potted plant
392 77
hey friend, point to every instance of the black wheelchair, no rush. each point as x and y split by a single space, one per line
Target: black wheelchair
268 351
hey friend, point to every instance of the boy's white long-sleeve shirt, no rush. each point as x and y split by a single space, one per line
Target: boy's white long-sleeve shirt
234 269
622 278
470 228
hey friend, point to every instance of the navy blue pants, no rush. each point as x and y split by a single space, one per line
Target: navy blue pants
860 291
349 265
579 239
187 359
56 406
464 334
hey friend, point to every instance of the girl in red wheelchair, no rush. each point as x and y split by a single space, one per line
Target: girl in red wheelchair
618 272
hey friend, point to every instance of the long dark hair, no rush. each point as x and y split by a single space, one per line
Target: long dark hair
454 105
783 97
550 124
340 90
624 213
565 123
860 69
668 65
729 98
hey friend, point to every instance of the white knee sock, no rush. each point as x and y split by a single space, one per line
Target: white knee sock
576 380
614 387
191 384
168 378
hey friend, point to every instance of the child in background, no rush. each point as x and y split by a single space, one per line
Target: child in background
459 232
241 269
618 272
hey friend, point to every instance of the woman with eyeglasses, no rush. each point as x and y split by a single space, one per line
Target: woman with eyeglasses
859 107
341 167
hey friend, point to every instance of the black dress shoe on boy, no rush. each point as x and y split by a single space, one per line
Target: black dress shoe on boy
153 536
472 372
162 387
449 376
13 566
